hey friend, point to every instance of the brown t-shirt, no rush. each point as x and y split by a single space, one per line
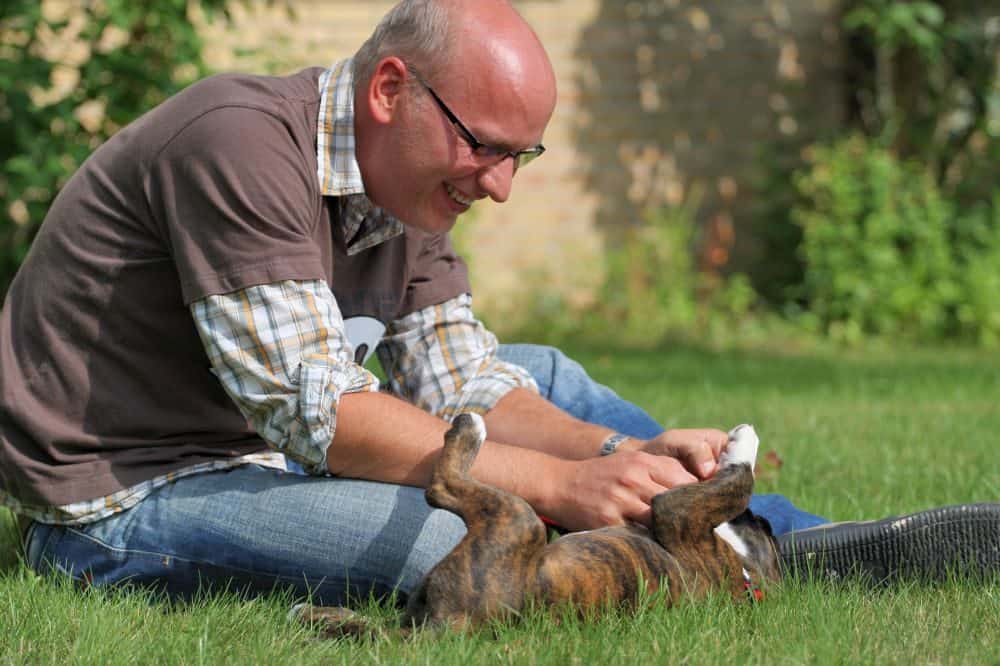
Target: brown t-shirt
103 380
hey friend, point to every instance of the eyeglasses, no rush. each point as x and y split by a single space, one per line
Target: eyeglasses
482 150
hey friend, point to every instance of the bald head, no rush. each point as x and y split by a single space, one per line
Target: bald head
491 44
479 40
449 96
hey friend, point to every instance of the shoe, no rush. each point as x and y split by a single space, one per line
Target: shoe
962 540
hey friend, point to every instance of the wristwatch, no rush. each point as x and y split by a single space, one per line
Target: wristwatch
612 443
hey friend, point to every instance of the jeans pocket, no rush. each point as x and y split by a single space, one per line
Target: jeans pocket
40 541
78 551
112 533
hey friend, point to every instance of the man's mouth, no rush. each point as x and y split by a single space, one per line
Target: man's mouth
457 196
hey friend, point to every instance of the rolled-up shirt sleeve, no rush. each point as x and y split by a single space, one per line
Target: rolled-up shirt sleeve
281 353
443 360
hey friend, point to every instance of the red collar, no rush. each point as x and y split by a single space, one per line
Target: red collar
753 591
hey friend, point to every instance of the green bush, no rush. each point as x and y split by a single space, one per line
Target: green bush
978 265
897 218
875 243
887 254
71 74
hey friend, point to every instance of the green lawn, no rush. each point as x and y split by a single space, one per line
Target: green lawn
860 438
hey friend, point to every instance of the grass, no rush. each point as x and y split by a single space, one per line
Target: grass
860 438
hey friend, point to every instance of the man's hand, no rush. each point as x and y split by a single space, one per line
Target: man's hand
571 485
612 490
698 449
619 488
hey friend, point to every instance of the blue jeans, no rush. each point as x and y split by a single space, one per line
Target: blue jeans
255 530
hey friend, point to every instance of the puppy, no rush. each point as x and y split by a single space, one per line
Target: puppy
702 538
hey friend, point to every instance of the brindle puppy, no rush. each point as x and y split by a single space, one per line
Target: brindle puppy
505 560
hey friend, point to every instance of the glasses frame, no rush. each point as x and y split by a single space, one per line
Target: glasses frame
479 148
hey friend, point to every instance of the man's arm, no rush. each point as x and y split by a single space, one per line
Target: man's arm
382 438
280 352
519 416
443 359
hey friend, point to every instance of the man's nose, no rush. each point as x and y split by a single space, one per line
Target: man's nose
496 180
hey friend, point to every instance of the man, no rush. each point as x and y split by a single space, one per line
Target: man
200 299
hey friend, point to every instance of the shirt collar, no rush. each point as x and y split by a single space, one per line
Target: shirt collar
365 224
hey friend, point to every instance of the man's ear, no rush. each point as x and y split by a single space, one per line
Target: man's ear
385 88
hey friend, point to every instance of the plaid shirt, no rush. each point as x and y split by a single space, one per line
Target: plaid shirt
337 169
281 352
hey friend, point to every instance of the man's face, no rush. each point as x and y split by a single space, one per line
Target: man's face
433 175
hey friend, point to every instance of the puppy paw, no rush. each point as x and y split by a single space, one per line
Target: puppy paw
461 446
473 421
742 447
331 621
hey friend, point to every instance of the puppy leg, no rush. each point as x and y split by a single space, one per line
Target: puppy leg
451 487
693 511
485 574
334 621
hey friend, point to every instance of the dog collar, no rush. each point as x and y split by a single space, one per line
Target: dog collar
753 591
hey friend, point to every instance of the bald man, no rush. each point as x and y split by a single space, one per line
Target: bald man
201 299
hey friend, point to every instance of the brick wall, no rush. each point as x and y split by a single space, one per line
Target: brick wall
656 98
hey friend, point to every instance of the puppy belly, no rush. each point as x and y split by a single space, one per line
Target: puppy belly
595 568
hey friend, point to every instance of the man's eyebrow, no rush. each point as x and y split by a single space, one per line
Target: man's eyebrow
504 146
491 141
501 144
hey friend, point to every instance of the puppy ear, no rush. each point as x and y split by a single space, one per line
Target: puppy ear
763 522
751 519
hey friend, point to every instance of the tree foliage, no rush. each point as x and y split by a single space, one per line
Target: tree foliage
927 88
889 227
72 72
901 222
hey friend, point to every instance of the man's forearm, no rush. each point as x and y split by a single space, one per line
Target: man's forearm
547 457
382 438
525 419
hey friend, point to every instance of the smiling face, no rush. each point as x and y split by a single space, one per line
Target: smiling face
414 161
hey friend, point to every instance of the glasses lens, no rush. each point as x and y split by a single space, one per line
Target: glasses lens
528 156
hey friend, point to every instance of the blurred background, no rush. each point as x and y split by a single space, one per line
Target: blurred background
764 172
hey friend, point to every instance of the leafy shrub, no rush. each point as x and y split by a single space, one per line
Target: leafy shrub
897 219
875 244
978 264
887 254
71 74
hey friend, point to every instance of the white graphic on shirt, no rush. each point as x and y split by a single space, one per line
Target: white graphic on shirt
364 334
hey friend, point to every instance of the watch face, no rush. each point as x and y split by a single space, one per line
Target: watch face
611 443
